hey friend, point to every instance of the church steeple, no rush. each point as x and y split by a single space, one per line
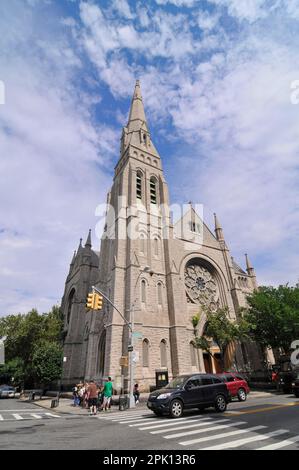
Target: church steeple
88 241
137 119
218 229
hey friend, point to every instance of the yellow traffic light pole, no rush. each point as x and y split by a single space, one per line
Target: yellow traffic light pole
96 291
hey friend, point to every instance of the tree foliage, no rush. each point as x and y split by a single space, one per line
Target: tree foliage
25 334
273 316
46 361
221 330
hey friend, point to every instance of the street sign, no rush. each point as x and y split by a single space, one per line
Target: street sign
135 356
123 361
130 348
137 335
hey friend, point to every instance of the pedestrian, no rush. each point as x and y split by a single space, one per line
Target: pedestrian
92 392
136 393
75 395
107 392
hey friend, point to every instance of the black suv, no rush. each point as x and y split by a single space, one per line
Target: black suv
189 391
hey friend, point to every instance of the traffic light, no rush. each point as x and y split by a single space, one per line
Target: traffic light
90 300
98 302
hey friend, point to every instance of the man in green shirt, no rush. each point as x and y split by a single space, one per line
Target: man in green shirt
107 392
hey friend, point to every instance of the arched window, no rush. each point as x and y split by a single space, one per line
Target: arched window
153 190
156 247
70 305
142 243
101 353
145 353
163 353
192 354
159 289
143 291
139 185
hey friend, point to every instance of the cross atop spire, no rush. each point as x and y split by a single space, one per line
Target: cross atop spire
137 119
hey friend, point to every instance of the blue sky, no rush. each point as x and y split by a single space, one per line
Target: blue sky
216 80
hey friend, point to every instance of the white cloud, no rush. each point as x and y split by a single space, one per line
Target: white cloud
50 153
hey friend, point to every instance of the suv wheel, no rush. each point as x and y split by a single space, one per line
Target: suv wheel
176 409
220 404
242 394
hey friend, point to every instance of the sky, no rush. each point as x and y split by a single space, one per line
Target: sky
218 79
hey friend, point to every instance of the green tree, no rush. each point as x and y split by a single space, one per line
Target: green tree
273 316
25 333
222 331
47 362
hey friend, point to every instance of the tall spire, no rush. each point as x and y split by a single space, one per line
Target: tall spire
249 267
88 241
80 246
218 229
137 118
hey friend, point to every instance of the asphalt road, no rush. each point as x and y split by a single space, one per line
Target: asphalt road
267 422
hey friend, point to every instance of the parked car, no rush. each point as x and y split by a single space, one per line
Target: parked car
189 391
6 391
295 386
236 385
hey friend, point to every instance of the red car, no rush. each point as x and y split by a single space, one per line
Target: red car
236 385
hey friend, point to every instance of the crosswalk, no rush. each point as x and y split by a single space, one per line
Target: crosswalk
204 432
25 415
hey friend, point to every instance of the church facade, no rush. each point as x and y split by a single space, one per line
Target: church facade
157 272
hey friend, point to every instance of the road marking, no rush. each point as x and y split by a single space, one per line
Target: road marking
240 442
279 445
127 421
125 415
168 424
1 418
184 426
260 410
17 416
159 420
19 409
220 436
199 431
148 421
53 416
36 416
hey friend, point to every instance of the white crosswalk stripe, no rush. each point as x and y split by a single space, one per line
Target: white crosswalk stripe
186 425
281 444
200 431
205 429
222 435
169 424
22 416
248 440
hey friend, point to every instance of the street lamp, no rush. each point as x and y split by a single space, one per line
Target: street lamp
146 269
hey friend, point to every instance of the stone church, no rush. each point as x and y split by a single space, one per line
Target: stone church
155 270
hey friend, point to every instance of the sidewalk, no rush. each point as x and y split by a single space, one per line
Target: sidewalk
66 404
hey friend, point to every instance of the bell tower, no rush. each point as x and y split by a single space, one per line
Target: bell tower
132 259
